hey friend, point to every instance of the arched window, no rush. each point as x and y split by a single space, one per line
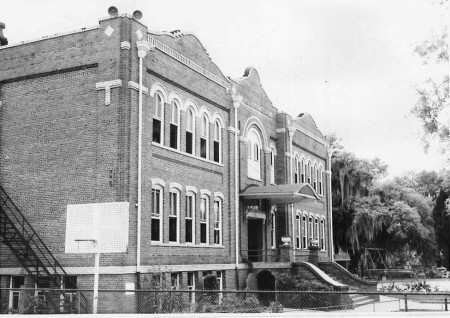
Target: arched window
304 230
190 218
174 123
315 177
316 229
310 228
157 214
174 216
320 180
204 219
303 167
190 131
272 166
254 148
309 172
218 221
158 119
204 136
296 172
322 234
217 141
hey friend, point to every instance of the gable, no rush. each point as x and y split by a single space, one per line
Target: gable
306 121
190 47
250 88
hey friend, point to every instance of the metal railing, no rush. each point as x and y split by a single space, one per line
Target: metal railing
27 246
260 255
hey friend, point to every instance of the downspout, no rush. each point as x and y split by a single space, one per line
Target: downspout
143 48
236 104
330 202
291 131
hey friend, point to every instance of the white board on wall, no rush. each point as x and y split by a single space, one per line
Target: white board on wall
105 223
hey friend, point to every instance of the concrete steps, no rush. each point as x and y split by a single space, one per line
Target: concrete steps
361 300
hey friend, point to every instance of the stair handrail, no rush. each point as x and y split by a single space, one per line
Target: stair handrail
26 230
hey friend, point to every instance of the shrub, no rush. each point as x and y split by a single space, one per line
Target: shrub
416 287
230 303
291 282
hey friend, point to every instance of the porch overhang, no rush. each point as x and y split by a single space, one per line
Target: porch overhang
281 194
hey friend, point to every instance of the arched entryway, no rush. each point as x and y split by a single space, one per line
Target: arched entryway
266 281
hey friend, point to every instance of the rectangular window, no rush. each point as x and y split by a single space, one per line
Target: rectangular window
190 212
203 148
297 227
175 281
173 136
204 211
272 231
191 286
16 282
173 217
189 143
156 130
156 215
220 283
217 222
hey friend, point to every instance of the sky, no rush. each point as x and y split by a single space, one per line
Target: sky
348 63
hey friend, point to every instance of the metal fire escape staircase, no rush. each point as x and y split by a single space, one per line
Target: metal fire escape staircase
35 257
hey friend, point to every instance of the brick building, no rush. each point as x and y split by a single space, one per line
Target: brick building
218 180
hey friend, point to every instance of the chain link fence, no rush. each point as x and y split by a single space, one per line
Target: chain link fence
53 301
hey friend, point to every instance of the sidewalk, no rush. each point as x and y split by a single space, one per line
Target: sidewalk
296 314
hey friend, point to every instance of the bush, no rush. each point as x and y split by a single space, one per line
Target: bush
416 287
290 282
230 303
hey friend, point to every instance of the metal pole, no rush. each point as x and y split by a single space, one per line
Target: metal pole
79 302
406 303
96 272
446 304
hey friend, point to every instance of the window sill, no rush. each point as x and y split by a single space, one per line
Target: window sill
187 154
260 180
187 245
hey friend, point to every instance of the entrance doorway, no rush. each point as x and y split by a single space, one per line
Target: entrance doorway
255 240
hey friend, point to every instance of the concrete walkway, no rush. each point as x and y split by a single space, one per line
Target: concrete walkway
296 314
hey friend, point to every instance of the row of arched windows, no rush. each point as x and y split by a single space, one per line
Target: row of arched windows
309 227
306 171
185 132
195 218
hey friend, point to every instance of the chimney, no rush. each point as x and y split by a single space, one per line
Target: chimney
3 40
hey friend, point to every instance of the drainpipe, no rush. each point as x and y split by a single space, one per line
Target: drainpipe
236 104
143 48
291 131
330 202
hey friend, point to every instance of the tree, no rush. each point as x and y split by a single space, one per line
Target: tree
432 107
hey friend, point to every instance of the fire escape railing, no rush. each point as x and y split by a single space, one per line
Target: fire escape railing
29 249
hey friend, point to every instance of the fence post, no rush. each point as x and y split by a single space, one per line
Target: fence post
79 302
170 301
406 302
446 304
